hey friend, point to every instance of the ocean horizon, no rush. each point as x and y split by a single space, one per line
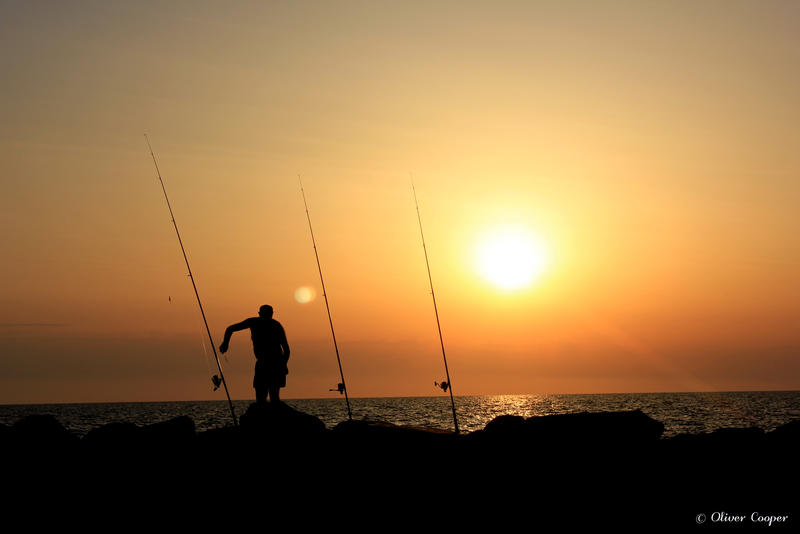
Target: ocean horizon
681 413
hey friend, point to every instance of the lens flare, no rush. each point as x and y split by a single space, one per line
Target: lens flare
305 294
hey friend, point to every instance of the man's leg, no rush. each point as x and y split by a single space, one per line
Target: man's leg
259 383
275 395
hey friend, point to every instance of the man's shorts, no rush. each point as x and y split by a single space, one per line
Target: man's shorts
270 374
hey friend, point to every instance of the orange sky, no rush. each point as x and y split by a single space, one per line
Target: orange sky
654 147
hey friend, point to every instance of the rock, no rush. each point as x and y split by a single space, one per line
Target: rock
788 434
115 436
685 439
505 424
41 431
381 431
178 431
721 444
266 420
585 429
273 443
376 451
5 434
737 436
216 439
595 428
368 442
175 432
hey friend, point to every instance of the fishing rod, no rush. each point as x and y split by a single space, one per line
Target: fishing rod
341 387
217 379
449 384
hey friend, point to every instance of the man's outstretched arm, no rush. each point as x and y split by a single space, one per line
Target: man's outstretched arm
223 348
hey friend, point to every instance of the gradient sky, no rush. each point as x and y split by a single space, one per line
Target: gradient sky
653 146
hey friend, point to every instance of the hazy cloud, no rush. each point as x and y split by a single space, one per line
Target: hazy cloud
32 325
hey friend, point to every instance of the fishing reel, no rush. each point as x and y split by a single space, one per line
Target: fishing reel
444 386
217 381
339 387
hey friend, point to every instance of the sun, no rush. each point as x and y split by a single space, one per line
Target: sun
511 257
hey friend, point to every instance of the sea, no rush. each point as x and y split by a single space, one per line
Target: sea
681 413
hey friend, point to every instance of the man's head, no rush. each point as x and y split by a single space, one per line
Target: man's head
265 311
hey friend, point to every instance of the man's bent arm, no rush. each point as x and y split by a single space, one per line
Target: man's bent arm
285 346
223 348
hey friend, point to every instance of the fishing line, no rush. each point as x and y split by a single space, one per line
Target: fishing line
449 384
341 387
217 380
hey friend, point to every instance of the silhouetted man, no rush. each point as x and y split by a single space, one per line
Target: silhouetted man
271 350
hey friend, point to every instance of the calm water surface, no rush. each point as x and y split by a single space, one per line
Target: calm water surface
680 412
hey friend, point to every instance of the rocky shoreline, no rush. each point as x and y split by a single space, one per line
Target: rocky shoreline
594 462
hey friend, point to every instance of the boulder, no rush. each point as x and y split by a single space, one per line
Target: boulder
505 424
585 429
266 420
5 434
116 435
389 432
788 434
377 452
41 431
737 436
595 428
217 439
178 431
